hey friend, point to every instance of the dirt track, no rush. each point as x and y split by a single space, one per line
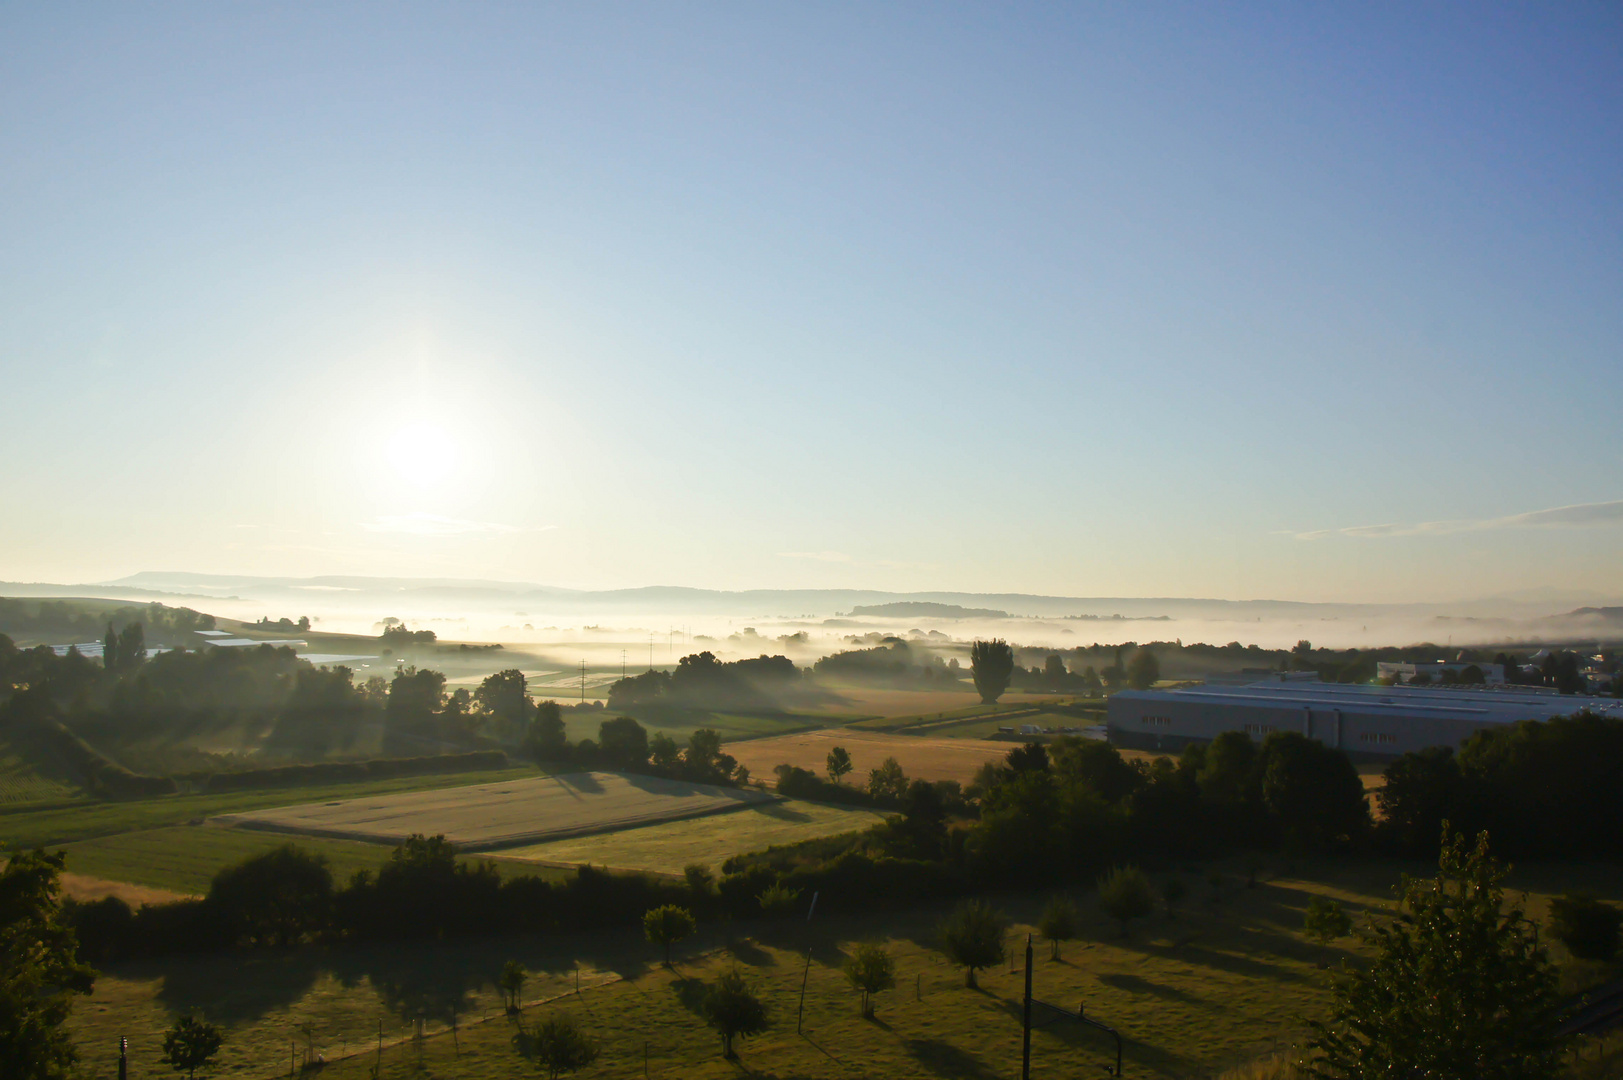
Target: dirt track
487 816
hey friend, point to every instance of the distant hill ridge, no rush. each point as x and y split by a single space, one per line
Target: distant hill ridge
925 609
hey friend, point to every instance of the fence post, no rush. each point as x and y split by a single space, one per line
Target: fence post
801 1012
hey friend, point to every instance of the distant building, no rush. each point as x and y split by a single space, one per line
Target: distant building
1379 721
1492 674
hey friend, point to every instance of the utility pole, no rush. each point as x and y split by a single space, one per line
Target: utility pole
1025 1035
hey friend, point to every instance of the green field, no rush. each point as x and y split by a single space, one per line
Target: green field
680 723
27 827
185 858
1224 980
666 848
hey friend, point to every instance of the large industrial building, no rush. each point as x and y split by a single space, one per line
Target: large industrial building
1376 721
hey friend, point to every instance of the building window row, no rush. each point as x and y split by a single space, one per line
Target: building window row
1377 737
1259 729
1157 721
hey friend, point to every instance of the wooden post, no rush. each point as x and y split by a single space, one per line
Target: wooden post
1025 1035
800 1014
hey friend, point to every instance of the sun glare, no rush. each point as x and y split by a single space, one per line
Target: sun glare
422 454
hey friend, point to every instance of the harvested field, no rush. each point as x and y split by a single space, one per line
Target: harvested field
669 846
857 701
921 758
487 816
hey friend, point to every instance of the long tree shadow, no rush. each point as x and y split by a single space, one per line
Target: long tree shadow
945 1059
236 989
1134 984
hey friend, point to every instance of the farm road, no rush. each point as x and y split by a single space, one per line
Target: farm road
486 816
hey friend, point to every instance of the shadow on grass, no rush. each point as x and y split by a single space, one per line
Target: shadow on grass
746 951
945 1059
1134 984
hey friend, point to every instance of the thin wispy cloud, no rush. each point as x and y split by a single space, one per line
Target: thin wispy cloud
1579 516
421 524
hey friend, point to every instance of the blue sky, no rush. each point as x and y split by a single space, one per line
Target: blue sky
1296 301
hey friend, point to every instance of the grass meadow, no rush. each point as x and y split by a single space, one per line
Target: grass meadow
26 826
1224 980
666 848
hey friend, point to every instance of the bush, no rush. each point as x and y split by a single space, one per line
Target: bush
1325 920
1586 926
558 1047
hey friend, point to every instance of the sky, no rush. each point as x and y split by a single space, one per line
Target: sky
1295 301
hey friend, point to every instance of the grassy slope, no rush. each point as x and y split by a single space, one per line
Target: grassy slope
28 774
26 827
1224 982
668 847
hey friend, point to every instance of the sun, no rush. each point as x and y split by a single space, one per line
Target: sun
422 454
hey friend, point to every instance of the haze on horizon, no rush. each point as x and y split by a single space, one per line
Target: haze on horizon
1135 300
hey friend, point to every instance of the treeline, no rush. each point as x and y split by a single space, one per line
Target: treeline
703 681
1542 789
624 745
893 662
61 618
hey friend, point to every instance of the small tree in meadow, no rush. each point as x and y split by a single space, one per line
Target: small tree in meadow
733 1010
839 763
1059 922
972 937
667 925
1126 894
190 1044
1325 920
871 969
558 1047
1172 890
512 983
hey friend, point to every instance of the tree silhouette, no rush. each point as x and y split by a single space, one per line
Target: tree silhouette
991 663
972 937
1058 923
733 1010
871 969
190 1043
839 763
39 973
512 982
1126 894
1459 985
1143 670
667 925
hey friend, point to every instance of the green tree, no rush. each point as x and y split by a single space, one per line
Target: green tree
1059 922
1586 926
699 878
623 743
733 1010
132 647
1313 791
871 969
1325 920
1126 894
991 664
109 649
190 1044
1054 673
667 925
887 781
39 970
1143 670
972 937
839 763
558 1047
505 696
1459 986
663 752
512 982
546 740
277 898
